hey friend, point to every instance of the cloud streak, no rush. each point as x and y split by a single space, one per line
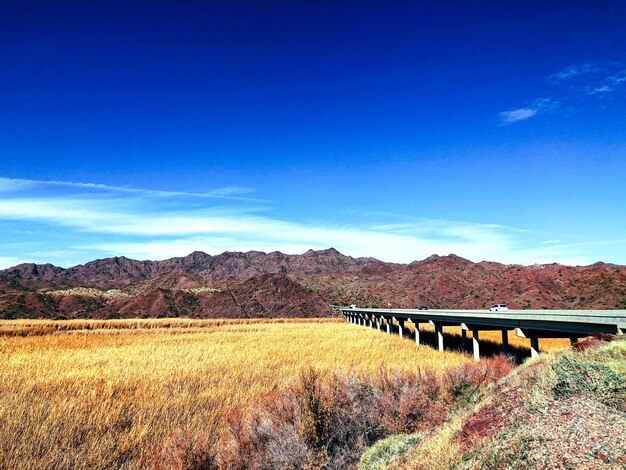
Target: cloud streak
612 83
176 232
229 192
141 226
516 115
573 72
574 85
521 114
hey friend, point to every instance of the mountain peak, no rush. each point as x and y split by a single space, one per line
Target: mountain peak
450 259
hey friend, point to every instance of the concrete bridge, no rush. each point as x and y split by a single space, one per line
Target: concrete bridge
531 324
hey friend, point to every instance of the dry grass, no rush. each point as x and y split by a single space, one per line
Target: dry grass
27 327
90 394
527 421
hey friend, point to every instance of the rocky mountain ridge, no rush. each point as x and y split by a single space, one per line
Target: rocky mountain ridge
235 284
120 272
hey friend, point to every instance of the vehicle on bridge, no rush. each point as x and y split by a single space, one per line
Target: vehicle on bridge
499 308
422 307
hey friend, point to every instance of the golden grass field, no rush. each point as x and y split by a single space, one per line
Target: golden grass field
103 394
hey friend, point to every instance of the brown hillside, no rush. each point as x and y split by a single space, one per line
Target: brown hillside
257 284
454 282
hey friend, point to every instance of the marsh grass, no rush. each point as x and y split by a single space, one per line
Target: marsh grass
28 327
132 393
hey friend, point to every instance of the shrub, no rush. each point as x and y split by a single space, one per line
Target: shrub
463 382
576 376
182 452
328 421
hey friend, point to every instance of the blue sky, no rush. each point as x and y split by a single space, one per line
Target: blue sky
493 130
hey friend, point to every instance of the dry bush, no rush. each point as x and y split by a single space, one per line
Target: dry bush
582 376
328 420
464 381
182 452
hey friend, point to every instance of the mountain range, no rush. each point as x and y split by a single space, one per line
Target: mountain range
257 284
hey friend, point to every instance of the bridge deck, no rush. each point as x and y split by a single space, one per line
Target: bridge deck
533 324
566 321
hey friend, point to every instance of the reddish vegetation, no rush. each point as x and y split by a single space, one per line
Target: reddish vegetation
327 421
257 284
591 342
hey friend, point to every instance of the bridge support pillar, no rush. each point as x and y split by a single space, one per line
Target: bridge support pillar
370 318
379 320
505 341
463 339
389 325
475 345
417 334
534 346
439 331
401 328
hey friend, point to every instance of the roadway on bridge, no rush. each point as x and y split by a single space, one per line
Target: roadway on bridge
532 324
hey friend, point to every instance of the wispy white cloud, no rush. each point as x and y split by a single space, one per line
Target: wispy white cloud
610 84
572 87
229 192
8 185
521 114
591 79
551 242
574 72
579 253
216 230
516 115
144 227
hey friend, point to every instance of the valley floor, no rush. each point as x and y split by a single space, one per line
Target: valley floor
96 394
161 393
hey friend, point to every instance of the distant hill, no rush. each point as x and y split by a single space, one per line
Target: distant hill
257 284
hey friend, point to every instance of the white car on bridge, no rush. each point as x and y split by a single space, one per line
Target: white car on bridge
499 308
